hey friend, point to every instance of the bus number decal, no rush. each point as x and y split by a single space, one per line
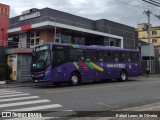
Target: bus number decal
115 65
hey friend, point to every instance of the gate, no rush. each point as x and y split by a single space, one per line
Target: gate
154 66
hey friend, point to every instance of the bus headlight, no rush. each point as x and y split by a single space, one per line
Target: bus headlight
47 72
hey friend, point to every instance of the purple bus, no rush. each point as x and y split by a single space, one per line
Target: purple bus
74 64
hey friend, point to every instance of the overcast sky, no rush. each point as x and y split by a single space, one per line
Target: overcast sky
127 12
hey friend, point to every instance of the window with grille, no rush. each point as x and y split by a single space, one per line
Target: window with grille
154 40
154 32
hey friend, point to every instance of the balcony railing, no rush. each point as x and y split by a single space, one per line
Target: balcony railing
13 44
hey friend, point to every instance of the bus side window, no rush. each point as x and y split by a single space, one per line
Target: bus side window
59 55
116 56
100 56
104 56
135 57
108 56
126 57
90 55
76 55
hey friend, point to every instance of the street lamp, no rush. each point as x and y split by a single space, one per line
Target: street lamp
51 18
2 36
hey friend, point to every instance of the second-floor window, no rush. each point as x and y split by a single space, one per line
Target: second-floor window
154 40
34 39
154 32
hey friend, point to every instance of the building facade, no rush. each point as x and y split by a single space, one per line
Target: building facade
37 26
4 24
154 34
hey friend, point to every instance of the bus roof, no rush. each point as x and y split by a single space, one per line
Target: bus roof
97 47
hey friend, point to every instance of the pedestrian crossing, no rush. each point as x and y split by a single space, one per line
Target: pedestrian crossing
17 101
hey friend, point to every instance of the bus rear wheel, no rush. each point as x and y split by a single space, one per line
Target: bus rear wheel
123 76
74 79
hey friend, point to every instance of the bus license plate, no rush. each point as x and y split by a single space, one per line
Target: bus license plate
36 81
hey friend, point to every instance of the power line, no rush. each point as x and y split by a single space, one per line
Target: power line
151 3
155 1
138 6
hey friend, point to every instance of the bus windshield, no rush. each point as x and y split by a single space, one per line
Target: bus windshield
40 59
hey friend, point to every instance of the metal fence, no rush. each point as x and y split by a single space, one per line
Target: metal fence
154 66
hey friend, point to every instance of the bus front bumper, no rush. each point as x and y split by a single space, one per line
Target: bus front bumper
40 77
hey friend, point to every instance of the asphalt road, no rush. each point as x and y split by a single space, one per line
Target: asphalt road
87 97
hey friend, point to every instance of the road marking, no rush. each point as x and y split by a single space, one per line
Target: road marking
4 96
103 104
23 103
143 107
21 98
90 88
37 108
10 93
67 110
2 91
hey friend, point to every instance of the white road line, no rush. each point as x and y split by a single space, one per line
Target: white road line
68 110
4 96
19 98
23 103
10 93
37 107
4 89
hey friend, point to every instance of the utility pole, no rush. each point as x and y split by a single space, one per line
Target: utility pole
149 36
149 27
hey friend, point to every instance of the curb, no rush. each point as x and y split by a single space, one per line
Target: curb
15 84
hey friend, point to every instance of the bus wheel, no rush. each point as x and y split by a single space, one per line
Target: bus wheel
75 79
123 76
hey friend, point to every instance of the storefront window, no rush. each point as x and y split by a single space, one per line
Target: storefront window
66 39
37 41
34 39
58 38
32 34
78 40
81 41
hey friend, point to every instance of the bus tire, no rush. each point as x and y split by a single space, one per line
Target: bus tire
123 76
74 79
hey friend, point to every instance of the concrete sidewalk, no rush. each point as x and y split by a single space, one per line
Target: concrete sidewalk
13 84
